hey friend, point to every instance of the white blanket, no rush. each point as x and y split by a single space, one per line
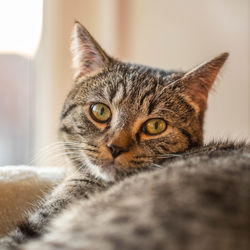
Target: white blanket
21 188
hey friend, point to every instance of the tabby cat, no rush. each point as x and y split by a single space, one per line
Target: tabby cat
142 178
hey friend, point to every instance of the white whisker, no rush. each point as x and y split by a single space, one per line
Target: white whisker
157 165
168 156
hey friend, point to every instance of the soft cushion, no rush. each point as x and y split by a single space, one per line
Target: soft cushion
21 188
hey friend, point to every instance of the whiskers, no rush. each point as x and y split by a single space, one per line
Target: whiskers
59 153
161 156
153 160
79 154
156 165
166 156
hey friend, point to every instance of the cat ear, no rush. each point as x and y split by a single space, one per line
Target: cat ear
88 56
197 82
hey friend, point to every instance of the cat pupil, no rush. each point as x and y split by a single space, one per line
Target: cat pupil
102 111
156 125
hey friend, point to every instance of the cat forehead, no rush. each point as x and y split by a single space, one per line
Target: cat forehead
127 81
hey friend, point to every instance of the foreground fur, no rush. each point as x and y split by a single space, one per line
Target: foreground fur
200 200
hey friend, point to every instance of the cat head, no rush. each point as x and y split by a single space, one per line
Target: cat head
121 118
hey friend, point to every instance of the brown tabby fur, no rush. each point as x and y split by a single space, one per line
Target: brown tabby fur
198 199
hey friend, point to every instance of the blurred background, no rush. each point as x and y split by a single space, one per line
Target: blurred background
35 61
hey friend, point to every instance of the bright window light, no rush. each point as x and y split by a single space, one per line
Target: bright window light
20 26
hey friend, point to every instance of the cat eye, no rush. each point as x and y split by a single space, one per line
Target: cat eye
155 126
100 112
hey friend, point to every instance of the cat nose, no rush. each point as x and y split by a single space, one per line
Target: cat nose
115 150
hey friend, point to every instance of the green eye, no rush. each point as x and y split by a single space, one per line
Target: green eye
100 112
155 126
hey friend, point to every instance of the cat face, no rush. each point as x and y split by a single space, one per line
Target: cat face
121 118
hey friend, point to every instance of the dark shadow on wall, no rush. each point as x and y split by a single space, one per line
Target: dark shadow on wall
15 109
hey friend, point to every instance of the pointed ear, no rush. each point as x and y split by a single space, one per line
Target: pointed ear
88 56
197 82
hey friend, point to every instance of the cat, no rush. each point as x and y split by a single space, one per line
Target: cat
141 178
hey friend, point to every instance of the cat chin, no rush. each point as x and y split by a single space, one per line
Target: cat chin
107 175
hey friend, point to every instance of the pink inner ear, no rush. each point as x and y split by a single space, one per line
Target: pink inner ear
90 62
88 56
